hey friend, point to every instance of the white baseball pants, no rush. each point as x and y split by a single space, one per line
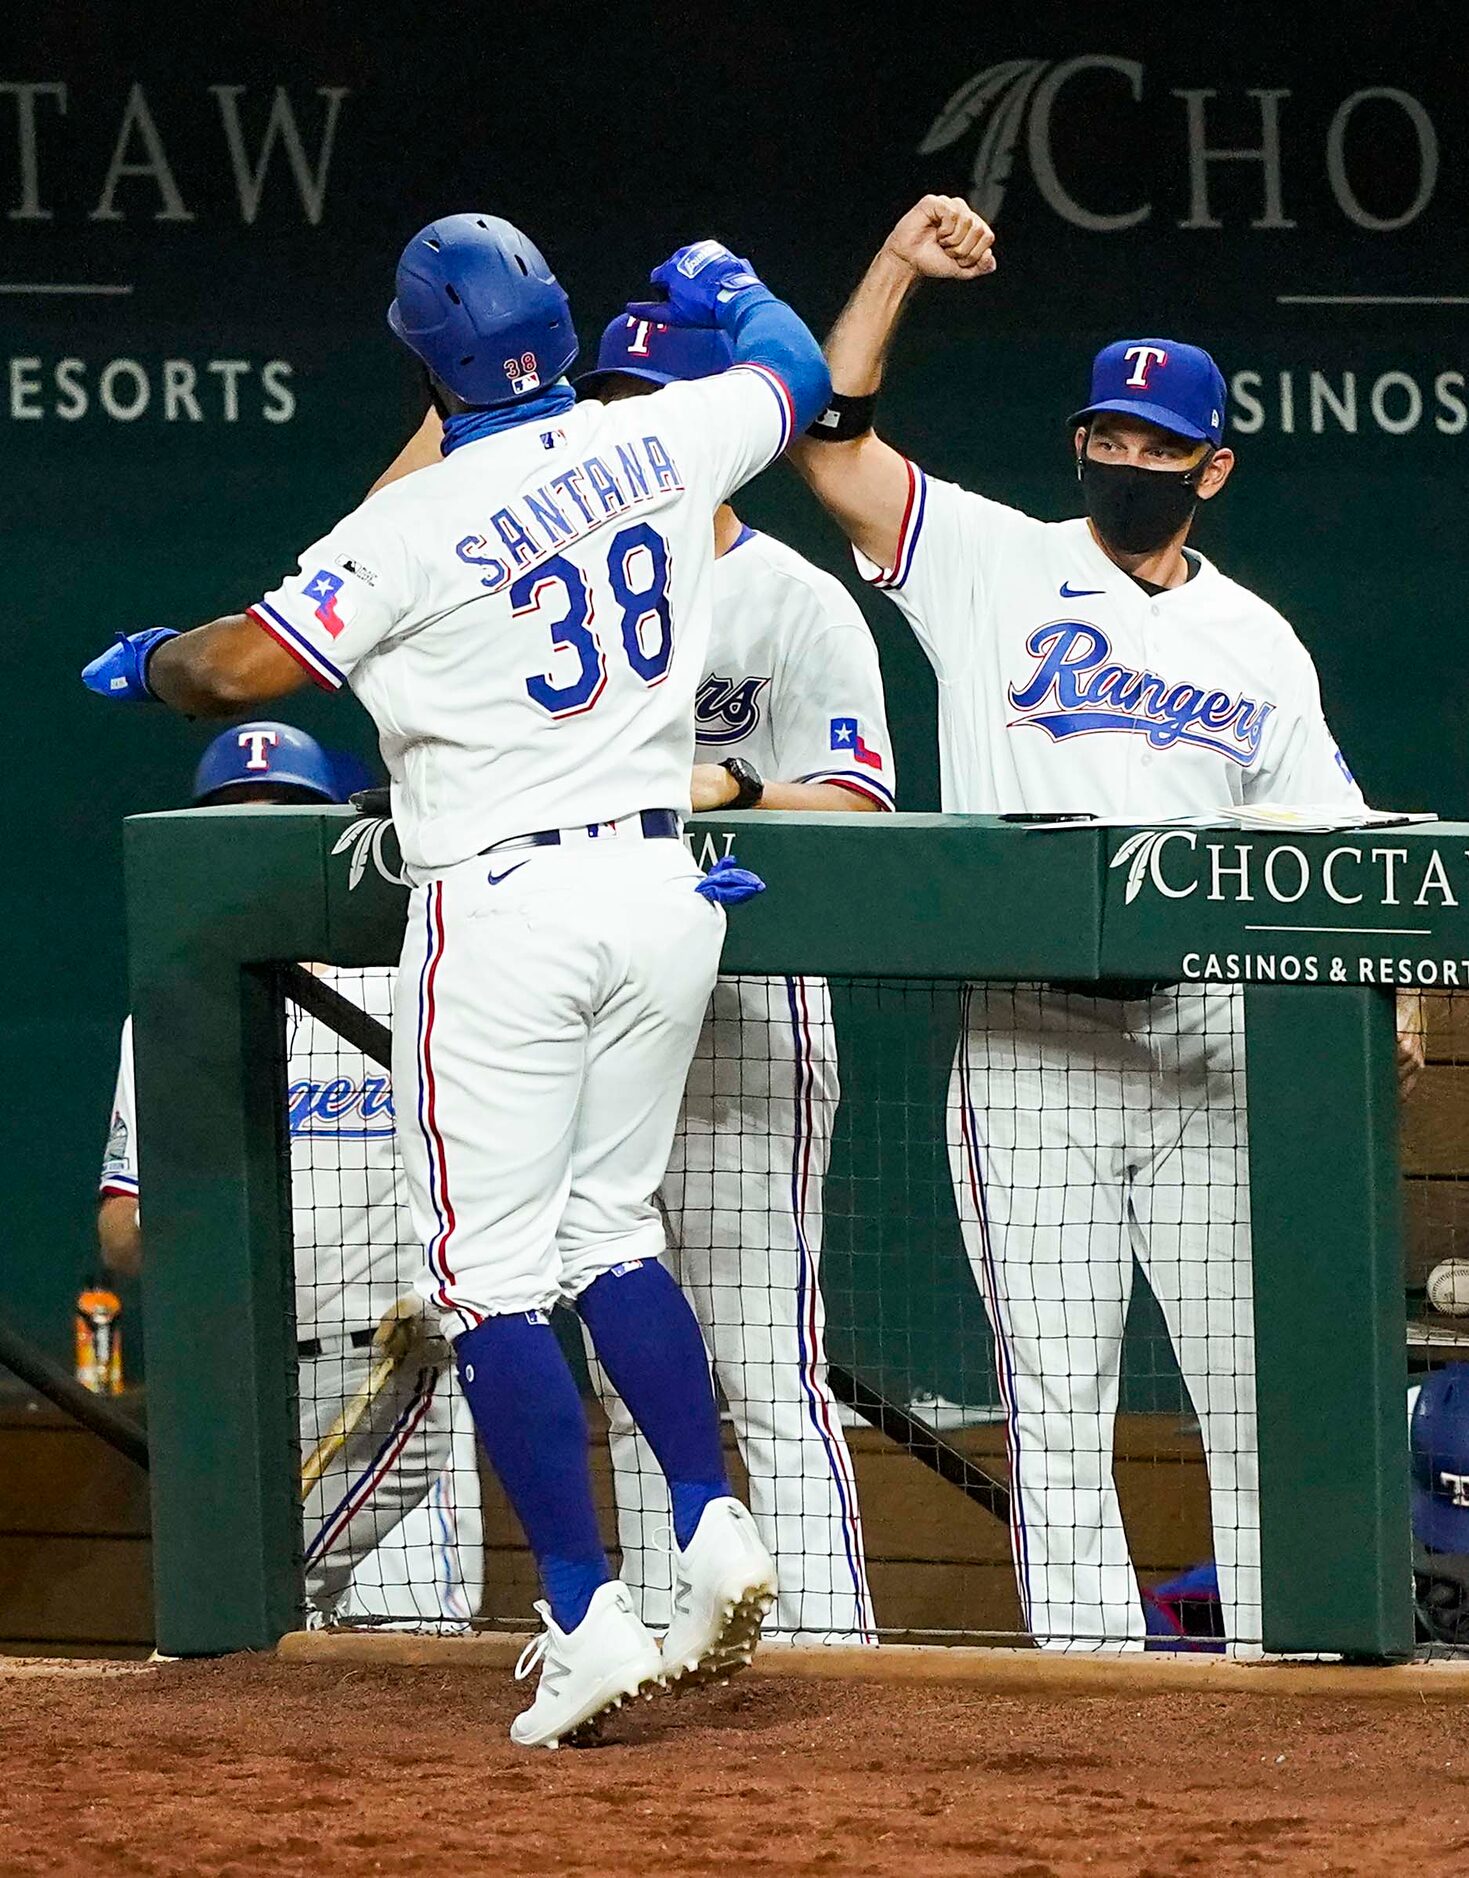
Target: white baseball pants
1084 1132
430 1571
743 1198
387 1467
548 1004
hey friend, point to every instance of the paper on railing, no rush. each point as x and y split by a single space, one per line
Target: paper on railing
1323 816
1259 817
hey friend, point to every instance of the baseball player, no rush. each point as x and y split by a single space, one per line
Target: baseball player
527 622
790 689
1098 666
391 1491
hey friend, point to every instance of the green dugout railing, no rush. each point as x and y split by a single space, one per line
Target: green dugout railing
1319 929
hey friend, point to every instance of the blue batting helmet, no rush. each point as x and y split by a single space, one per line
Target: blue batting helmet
265 753
478 304
639 348
1440 1460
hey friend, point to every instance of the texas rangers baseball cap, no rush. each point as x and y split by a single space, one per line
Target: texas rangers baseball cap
638 348
1163 381
1439 1432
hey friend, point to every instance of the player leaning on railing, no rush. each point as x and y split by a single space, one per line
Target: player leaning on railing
1096 666
526 621
384 1496
789 715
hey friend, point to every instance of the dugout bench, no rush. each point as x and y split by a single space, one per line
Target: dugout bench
1319 929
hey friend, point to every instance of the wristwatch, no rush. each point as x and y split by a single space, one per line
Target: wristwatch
749 783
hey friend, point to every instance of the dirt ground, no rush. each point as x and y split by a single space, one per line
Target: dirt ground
251 1766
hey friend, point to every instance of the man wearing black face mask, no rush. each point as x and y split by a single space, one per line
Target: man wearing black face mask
1099 666
1148 450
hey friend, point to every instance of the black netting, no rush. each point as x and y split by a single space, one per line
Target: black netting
855 1205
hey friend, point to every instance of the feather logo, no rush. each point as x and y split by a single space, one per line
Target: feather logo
1139 854
1001 92
364 840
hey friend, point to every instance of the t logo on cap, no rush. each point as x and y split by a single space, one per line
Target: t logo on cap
1163 381
1146 357
257 742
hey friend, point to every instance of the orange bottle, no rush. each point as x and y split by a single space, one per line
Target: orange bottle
99 1340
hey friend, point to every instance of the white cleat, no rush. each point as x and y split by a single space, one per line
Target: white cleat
586 1672
722 1588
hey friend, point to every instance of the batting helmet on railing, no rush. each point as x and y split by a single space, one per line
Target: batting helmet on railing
250 755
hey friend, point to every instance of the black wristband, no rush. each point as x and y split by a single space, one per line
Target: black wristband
844 418
749 780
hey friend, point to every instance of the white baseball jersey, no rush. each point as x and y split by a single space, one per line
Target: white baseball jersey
791 680
355 1247
508 615
1064 686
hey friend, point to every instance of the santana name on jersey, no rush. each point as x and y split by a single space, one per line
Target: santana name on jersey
569 505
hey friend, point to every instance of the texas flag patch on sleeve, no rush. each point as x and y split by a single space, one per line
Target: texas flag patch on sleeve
847 737
332 607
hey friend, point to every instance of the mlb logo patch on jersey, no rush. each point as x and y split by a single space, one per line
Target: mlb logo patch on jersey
846 736
332 607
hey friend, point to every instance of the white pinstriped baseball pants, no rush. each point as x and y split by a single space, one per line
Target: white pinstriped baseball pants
1084 1133
548 1004
387 1467
743 1203
430 1568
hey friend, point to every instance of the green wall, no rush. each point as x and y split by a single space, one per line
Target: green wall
797 137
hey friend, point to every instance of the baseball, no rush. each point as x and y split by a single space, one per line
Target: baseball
1448 1287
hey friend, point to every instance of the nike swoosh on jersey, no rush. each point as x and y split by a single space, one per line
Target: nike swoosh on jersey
1068 592
496 880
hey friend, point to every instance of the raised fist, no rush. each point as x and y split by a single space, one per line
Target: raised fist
942 238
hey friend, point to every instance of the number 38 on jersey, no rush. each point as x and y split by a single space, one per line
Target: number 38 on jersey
638 628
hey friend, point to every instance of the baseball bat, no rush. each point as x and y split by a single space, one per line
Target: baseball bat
396 1336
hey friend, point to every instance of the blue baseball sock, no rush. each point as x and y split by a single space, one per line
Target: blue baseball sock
531 1420
649 1344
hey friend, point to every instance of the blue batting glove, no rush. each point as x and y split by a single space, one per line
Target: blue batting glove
697 284
121 671
727 883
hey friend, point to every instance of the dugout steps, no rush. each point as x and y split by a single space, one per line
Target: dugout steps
75 1544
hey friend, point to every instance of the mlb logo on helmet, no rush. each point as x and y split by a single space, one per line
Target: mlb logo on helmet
1164 381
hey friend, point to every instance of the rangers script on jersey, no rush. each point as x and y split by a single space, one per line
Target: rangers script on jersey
1064 687
356 1252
